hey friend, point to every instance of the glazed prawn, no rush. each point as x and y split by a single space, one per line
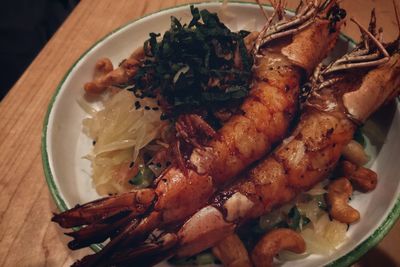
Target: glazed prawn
343 95
299 45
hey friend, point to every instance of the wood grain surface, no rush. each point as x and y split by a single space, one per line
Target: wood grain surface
27 237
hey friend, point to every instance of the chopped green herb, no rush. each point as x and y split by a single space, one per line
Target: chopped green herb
335 14
321 202
359 137
293 220
194 66
270 221
143 178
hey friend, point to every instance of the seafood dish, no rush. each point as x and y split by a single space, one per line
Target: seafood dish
232 147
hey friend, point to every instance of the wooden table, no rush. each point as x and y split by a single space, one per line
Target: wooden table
27 237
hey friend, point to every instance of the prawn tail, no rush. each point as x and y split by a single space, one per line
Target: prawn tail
134 233
146 254
136 202
100 231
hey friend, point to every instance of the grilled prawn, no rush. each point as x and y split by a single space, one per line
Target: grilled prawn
343 95
298 46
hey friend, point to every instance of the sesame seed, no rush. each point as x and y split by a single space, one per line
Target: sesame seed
163 117
146 107
155 108
137 105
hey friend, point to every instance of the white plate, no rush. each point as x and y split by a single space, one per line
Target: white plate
64 144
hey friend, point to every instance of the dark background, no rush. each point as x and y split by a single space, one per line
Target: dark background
25 27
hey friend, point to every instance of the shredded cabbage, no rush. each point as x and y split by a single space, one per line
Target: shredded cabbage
120 131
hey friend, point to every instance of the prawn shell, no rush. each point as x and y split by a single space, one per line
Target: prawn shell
309 46
375 89
175 188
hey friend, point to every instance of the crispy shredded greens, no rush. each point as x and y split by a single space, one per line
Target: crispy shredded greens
194 65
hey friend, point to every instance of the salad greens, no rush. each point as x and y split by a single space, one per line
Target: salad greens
143 178
202 258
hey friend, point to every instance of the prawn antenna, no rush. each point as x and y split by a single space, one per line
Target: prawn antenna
327 4
360 57
263 31
279 6
262 9
370 35
372 23
396 11
299 6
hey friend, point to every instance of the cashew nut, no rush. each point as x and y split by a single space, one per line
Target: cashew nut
347 168
338 195
105 75
275 241
361 178
232 253
102 68
355 153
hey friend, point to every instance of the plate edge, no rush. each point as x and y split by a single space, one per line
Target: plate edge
344 260
377 236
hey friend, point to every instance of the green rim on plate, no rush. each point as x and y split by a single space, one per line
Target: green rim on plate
344 260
